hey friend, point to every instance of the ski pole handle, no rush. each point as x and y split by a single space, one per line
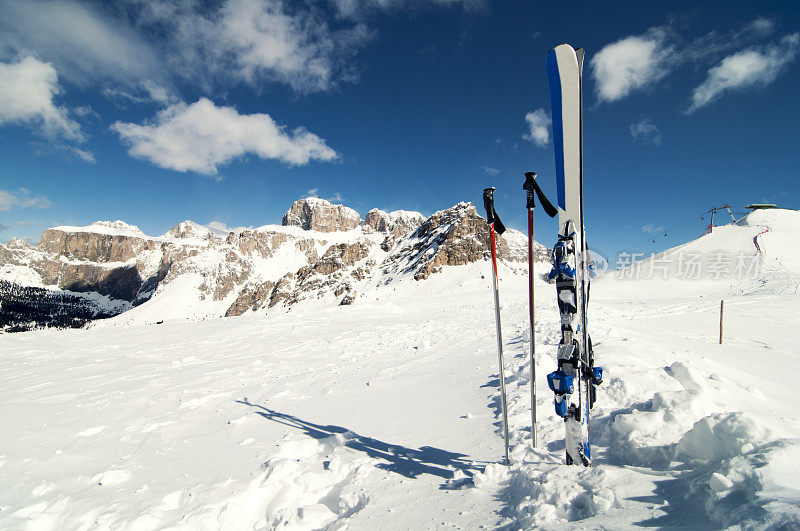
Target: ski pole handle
531 186
491 214
530 178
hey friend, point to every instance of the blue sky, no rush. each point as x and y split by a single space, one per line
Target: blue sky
227 112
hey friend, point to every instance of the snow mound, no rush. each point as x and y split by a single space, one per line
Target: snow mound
558 495
756 490
308 484
646 433
721 436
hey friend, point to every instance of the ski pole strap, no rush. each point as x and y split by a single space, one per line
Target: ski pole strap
491 215
531 186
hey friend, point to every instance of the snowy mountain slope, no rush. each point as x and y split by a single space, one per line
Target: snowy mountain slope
758 255
324 254
385 414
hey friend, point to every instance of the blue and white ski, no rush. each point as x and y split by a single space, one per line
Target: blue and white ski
576 377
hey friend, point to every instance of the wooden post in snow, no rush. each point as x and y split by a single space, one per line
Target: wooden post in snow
721 308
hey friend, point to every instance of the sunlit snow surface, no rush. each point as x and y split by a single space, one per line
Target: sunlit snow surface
385 414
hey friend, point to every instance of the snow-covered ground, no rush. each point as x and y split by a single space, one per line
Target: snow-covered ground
385 414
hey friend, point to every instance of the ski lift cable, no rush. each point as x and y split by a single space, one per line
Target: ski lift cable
651 239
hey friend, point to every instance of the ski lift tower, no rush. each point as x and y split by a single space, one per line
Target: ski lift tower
714 210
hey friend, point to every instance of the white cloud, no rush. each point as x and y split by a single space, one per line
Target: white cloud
139 49
652 229
265 41
488 170
314 192
361 8
84 43
84 155
22 199
222 227
254 41
760 26
218 225
27 89
744 69
539 127
646 132
18 224
335 197
141 54
637 62
200 137
632 63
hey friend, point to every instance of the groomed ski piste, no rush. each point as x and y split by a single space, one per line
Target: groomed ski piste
386 415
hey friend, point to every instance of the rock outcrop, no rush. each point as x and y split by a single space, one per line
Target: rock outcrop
253 269
451 237
395 223
313 213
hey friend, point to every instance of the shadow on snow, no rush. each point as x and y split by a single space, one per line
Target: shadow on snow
408 462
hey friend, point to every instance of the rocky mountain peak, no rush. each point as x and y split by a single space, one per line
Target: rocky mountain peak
17 243
189 229
450 237
395 223
313 213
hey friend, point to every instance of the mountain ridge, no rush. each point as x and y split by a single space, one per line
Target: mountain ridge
319 253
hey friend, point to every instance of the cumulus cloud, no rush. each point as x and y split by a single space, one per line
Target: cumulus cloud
488 170
646 132
638 62
632 63
312 192
744 69
21 199
539 127
299 49
200 137
27 91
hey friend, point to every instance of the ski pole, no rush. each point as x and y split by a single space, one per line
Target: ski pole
496 226
530 186
531 298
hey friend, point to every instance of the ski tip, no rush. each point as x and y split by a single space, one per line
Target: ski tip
561 46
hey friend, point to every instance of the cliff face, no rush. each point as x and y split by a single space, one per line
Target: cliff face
321 251
317 214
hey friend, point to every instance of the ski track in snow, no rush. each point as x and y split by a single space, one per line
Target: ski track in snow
387 414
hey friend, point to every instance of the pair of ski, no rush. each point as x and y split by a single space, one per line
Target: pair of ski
576 377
